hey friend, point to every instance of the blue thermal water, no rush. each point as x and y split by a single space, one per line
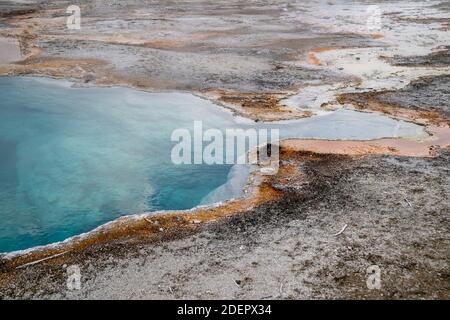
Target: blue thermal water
72 159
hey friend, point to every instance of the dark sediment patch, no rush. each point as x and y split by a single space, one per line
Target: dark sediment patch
430 96
13 9
435 59
443 5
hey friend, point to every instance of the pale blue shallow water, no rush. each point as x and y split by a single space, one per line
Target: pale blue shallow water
72 159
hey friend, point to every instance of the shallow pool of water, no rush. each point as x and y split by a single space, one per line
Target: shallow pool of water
74 158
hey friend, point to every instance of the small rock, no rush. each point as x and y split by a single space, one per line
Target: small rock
89 78
294 223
